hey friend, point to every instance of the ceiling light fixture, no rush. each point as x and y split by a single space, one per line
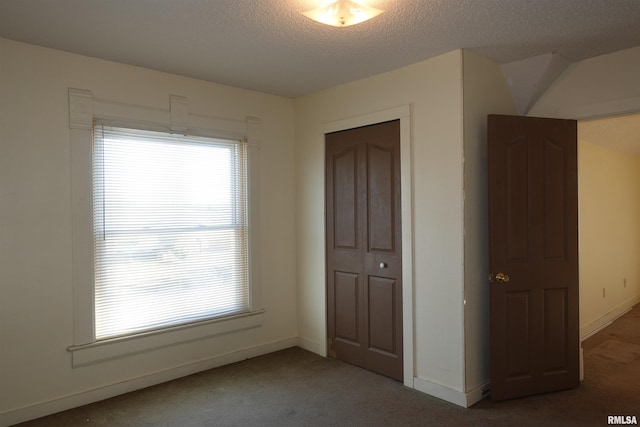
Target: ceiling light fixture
342 13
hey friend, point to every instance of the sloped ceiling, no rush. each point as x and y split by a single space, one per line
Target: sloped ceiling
529 78
269 46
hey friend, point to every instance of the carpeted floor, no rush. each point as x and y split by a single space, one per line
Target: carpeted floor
296 388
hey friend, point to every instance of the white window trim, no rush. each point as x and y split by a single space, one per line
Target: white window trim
83 109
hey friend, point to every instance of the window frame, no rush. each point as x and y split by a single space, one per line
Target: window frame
83 111
109 140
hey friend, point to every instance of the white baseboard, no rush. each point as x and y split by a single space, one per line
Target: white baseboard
601 323
449 394
477 394
312 346
94 395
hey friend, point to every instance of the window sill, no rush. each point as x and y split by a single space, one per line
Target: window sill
100 351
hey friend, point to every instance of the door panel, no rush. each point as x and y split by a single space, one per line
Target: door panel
346 302
518 333
517 195
533 225
556 330
382 315
345 212
364 261
554 187
380 198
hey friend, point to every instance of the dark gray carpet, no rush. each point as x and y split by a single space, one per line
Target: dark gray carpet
296 388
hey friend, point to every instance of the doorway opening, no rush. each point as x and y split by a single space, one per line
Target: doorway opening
609 207
403 115
364 247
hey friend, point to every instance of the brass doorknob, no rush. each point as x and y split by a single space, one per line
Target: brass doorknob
502 278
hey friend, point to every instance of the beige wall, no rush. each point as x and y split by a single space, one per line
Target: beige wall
485 92
446 175
609 234
597 87
36 228
433 89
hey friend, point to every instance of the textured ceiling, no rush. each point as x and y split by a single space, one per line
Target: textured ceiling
269 46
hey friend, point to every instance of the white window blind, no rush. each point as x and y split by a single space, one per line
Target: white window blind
170 230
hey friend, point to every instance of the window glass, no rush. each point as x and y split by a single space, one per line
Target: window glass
170 230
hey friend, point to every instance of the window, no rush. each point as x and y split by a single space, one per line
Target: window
170 230
166 227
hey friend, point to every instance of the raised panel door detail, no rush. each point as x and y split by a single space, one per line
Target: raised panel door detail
518 333
380 198
554 201
517 194
346 302
382 316
556 329
345 184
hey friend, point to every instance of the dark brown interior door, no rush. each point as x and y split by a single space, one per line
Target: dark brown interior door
364 260
533 227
